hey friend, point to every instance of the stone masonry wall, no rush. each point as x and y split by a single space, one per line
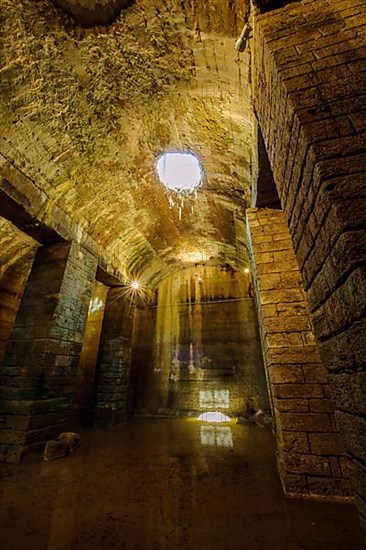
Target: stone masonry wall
114 363
12 284
89 354
310 452
199 349
310 99
38 377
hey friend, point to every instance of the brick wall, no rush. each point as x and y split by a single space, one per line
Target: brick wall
310 99
85 386
310 452
114 363
38 377
12 284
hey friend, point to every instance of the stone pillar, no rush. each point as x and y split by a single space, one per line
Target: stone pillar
12 285
84 393
309 91
113 370
38 377
310 452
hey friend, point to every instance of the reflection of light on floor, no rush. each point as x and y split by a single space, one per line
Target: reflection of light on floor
220 436
214 416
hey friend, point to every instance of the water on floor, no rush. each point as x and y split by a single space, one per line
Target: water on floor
166 485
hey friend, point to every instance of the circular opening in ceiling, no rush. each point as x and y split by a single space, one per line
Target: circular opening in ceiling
179 171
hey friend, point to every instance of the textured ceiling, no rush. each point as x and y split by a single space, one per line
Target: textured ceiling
16 248
85 112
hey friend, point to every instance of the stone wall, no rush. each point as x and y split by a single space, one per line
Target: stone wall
37 379
114 363
17 252
199 350
310 99
12 284
85 384
310 452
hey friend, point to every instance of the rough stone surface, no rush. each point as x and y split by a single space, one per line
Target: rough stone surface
198 350
38 375
308 440
86 112
114 364
17 254
309 95
60 447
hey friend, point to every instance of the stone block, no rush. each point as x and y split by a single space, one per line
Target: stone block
281 296
354 428
298 463
305 422
295 442
344 352
349 390
315 373
335 467
294 309
326 486
297 391
294 484
65 444
322 405
285 374
294 355
291 405
326 444
276 267
290 323
283 340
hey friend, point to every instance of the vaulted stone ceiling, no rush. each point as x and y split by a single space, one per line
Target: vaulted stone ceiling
85 112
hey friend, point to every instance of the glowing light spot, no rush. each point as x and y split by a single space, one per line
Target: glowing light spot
246 270
214 416
210 399
179 171
135 285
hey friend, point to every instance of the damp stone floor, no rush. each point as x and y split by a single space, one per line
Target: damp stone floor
162 484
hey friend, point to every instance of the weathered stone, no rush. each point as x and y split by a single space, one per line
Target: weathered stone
326 444
42 383
318 163
297 376
65 444
295 442
297 463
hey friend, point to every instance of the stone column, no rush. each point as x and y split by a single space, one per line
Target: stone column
113 370
310 452
12 285
311 110
38 378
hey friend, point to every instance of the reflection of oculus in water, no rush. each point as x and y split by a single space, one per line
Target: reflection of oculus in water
220 436
214 416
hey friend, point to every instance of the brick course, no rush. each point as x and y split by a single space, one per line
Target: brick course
308 440
310 97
